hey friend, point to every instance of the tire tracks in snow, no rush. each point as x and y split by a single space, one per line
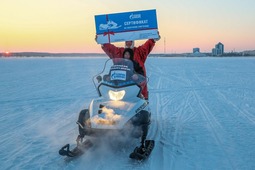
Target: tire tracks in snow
215 127
250 117
171 121
156 129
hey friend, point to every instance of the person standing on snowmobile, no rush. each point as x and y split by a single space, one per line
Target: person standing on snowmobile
140 54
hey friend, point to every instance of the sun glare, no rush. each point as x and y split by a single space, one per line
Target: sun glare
7 54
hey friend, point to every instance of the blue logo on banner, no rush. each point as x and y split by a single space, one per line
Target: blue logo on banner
127 21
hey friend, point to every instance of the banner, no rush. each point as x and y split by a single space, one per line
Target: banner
126 26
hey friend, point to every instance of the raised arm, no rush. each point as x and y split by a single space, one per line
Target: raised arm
112 51
145 49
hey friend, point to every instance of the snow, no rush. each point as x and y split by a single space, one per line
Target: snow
203 114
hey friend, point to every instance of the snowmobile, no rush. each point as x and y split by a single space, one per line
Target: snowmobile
120 108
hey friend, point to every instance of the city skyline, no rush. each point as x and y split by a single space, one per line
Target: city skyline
69 26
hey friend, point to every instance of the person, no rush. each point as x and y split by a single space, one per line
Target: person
140 54
129 54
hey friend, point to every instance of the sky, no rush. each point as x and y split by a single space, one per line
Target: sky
69 26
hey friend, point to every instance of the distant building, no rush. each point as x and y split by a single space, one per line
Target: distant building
214 51
196 53
220 46
218 50
196 50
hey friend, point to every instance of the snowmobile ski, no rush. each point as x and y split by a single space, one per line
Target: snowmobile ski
77 151
142 153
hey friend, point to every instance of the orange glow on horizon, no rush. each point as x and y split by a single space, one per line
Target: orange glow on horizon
6 54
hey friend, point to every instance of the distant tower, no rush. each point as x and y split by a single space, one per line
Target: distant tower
220 47
218 50
164 45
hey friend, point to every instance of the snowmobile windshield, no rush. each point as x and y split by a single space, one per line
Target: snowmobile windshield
119 72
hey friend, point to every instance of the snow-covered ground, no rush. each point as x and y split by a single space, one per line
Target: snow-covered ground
203 114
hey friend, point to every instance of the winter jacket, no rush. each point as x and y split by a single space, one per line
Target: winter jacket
140 55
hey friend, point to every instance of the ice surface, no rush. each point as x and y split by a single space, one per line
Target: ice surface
203 112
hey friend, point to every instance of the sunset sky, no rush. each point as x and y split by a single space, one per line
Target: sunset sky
69 25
